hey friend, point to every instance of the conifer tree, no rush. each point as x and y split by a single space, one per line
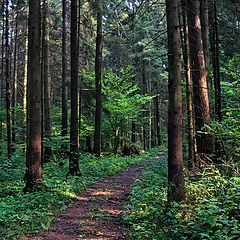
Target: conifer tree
98 72
176 189
74 144
33 157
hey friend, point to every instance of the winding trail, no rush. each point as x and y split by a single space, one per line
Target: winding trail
97 214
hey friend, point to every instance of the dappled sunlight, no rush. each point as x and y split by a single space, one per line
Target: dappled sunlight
103 193
82 198
68 194
96 238
106 193
111 211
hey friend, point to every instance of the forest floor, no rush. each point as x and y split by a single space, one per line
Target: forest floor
98 212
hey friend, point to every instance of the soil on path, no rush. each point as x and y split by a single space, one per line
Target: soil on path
97 214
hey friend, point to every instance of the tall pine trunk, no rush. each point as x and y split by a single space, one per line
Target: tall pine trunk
214 40
2 79
74 145
158 122
25 79
15 78
145 113
216 65
192 148
199 78
64 72
98 79
176 189
8 88
149 115
204 28
33 157
46 83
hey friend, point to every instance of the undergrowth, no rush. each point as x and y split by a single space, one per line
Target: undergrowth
30 213
211 211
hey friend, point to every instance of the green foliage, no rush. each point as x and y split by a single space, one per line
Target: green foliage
228 130
29 213
122 102
211 211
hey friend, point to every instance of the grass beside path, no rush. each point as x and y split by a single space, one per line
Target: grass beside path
30 213
211 211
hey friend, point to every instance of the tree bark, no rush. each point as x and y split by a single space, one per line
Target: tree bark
133 131
47 83
25 79
158 123
8 88
204 28
88 144
176 188
145 114
199 78
214 40
2 47
15 76
216 67
192 147
64 73
33 157
74 145
2 81
98 71
149 116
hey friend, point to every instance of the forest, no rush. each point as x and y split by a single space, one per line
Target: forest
120 119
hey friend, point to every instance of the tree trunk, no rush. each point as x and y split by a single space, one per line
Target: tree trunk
98 70
133 131
204 28
116 140
158 123
79 26
88 144
80 79
192 148
145 114
176 189
199 78
33 157
8 88
47 83
2 62
216 67
15 76
64 73
74 146
150 136
80 99
25 80
2 81
214 40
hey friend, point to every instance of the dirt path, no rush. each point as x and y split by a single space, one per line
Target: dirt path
97 214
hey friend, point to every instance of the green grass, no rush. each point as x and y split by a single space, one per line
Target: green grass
33 212
211 211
